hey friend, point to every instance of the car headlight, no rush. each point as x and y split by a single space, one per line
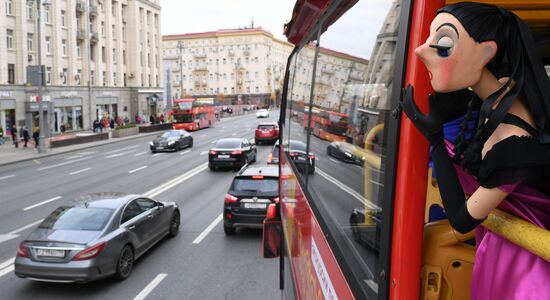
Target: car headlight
170 143
151 143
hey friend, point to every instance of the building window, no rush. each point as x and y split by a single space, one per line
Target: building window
103 54
64 76
9 7
113 32
92 81
114 55
104 78
232 90
11 73
30 39
29 11
256 59
63 18
114 78
48 75
78 76
232 76
225 90
92 53
9 39
64 47
102 28
124 56
217 61
257 89
48 45
123 32
224 61
224 76
256 75
149 60
113 9
47 14
78 50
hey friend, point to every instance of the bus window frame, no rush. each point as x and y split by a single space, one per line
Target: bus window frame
392 135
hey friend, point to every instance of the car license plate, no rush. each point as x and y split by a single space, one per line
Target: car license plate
50 252
160 148
255 205
223 156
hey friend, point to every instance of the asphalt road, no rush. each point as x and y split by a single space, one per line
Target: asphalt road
197 264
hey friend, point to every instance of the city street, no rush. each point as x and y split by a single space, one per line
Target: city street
200 263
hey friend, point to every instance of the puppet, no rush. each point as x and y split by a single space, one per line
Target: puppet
485 54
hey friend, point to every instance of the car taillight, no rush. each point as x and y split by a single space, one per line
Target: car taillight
312 156
212 152
21 251
292 153
257 177
90 252
236 152
270 157
230 198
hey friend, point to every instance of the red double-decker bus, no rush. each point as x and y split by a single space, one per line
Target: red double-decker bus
193 113
374 230
327 125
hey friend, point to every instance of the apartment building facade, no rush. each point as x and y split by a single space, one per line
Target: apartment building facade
246 66
101 59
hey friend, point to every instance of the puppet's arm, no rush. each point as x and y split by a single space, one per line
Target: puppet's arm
450 189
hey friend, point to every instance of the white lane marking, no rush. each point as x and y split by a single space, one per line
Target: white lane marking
86 152
120 154
64 163
150 287
208 229
348 190
42 203
141 153
212 142
73 157
165 186
203 152
135 170
204 135
121 149
7 263
234 134
333 160
157 154
80 171
14 233
6 270
6 177
185 152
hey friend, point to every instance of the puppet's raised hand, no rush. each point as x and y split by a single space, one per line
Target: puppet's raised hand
430 125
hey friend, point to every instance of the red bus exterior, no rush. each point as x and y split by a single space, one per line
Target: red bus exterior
193 113
327 125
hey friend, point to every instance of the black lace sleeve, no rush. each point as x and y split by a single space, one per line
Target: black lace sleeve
516 160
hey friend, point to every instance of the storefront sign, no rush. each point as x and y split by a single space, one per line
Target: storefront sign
69 94
34 98
108 94
6 94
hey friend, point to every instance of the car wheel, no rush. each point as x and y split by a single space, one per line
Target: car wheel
228 229
125 263
174 224
177 147
191 143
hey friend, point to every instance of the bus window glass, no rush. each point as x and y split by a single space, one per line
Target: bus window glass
350 107
289 108
183 118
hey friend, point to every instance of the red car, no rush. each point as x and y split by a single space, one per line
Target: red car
266 132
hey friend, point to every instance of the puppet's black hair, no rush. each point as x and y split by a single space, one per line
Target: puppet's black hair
516 58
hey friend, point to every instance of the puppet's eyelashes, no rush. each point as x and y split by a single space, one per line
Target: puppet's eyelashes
442 51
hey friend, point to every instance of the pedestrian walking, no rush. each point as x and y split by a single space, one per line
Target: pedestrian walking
14 136
161 118
26 136
2 141
152 119
111 123
35 136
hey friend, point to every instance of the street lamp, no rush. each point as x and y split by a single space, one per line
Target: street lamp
41 146
180 47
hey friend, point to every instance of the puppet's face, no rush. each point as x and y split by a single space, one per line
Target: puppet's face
454 60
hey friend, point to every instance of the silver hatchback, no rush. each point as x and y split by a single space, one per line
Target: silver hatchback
100 236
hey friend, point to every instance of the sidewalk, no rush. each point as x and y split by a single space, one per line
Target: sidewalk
10 155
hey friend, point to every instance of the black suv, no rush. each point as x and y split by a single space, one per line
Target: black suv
251 192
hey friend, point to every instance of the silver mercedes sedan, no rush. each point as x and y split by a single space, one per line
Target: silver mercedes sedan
101 235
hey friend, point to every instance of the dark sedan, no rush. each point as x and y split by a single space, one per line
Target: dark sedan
100 236
172 140
346 152
297 152
231 152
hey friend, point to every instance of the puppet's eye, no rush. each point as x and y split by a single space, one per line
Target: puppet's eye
444 46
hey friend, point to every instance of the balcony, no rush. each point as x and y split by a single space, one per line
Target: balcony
356 77
246 52
81 34
327 71
93 10
80 6
94 37
231 53
199 55
200 69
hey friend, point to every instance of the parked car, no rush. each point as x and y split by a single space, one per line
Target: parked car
347 152
266 132
172 140
231 152
246 201
297 152
262 113
101 235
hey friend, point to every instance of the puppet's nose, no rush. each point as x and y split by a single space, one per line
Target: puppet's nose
421 50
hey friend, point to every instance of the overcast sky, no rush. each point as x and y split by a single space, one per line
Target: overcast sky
350 35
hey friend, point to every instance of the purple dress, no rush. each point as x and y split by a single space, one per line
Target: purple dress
503 270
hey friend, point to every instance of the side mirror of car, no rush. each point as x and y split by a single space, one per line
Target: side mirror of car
272 233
